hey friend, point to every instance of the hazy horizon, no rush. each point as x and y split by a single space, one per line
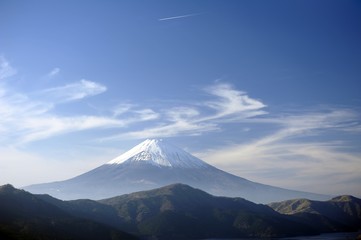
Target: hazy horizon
265 90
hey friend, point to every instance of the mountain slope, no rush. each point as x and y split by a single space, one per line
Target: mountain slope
341 213
25 216
156 163
180 211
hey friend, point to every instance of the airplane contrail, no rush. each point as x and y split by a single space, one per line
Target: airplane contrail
180 16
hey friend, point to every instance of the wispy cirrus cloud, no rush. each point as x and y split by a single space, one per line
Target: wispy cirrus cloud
73 91
132 112
227 105
28 119
38 128
312 122
122 108
145 114
6 70
53 72
25 119
14 108
232 103
287 157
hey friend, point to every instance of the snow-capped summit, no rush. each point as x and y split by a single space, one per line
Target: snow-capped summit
159 153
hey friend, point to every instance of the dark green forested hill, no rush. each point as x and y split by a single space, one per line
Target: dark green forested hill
176 211
341 213
26 216
180 211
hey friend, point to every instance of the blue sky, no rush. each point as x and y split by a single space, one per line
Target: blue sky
267 90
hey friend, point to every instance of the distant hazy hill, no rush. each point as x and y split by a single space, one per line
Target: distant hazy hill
26 216
341 213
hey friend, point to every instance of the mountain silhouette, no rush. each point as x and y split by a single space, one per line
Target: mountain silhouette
155 163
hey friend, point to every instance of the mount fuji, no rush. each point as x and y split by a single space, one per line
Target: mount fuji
155 163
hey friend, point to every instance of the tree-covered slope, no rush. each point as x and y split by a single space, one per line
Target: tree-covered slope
26 216
341 213
180 211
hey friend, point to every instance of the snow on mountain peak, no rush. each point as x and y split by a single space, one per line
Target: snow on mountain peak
160 153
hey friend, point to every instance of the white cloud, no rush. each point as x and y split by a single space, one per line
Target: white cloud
315 166
285 159
131 113
310 123
27 120
24 120
231 101
14 109
74 91
53 72
145 114
169 130
121 109
43 127
6 70
228 105
181 114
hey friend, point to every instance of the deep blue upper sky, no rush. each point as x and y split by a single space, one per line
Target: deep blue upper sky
268 90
